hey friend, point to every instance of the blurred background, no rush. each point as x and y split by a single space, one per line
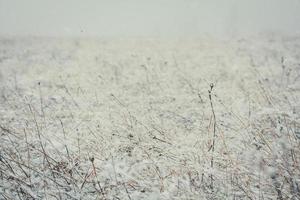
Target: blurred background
153 18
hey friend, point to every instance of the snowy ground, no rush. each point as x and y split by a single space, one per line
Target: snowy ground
132 119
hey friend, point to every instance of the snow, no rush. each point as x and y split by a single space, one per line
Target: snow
91 118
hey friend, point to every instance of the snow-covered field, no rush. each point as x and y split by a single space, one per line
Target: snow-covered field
150 119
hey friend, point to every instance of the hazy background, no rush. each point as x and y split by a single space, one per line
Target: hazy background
147 18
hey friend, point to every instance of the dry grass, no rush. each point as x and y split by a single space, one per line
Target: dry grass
90 119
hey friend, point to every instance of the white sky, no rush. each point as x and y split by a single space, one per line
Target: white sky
147 18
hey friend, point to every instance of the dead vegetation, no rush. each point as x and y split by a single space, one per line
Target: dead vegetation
141 125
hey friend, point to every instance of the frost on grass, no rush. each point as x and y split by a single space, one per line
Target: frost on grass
133 119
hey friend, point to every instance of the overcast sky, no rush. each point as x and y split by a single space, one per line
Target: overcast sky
147 18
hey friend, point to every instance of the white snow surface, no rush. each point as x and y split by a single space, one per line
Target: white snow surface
88 118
